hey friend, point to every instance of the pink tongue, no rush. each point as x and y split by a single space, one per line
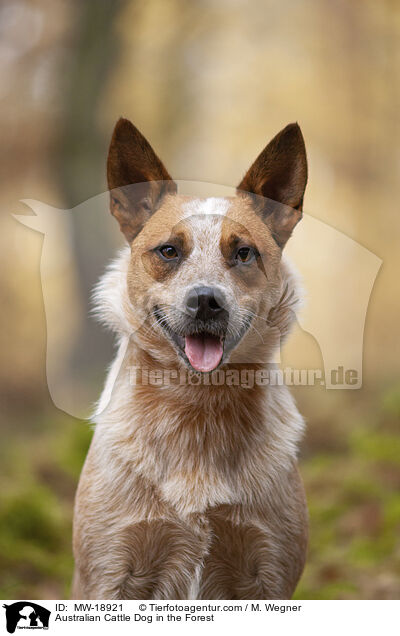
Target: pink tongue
204 352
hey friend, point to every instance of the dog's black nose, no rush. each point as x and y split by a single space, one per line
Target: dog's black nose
204 303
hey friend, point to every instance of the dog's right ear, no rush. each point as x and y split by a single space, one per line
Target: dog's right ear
137 179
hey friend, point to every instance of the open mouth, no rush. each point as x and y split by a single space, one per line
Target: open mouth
202 349
204 346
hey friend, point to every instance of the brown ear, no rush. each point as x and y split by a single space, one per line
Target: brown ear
279 177
137 179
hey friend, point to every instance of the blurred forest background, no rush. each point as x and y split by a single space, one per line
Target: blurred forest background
208 83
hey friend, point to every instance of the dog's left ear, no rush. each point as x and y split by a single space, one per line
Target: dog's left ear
279 177
137 178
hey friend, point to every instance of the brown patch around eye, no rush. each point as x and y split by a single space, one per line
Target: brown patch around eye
157 264
229 244
235 236
249 276
157 267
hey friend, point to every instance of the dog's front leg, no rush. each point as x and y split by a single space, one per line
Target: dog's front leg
258 552
147 560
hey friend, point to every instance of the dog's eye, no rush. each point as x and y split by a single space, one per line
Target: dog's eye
245 254
168 252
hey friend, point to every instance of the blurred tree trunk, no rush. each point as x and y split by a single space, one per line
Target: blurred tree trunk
82 150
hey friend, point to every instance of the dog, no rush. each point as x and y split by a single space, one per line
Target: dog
190 489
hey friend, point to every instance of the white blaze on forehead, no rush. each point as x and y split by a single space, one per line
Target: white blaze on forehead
205 217
212 205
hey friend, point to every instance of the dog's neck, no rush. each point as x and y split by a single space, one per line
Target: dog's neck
201 445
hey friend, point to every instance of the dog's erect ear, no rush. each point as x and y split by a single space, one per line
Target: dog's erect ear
279 176
137 179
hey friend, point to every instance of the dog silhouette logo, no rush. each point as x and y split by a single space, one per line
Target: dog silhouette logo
337 273
26 615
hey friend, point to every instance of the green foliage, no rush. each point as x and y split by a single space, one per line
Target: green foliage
39 475
353 492
377 446
71 450
354 505
33 516
391 401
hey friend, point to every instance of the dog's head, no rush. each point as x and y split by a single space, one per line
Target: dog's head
204 274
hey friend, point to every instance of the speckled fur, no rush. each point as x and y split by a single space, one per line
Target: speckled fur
192 491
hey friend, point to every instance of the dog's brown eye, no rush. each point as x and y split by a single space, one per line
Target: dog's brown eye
168 252
245 254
